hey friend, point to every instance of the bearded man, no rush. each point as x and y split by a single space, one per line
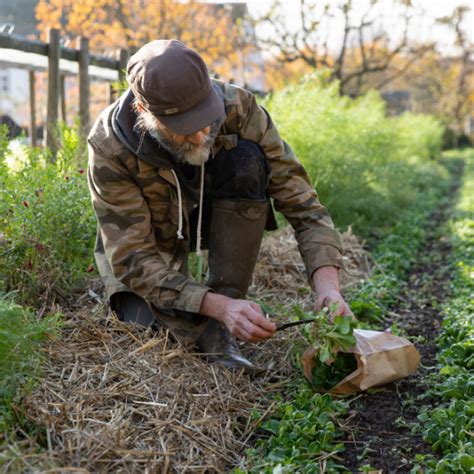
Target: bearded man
182 163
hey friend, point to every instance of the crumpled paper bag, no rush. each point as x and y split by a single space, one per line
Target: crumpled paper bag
381 358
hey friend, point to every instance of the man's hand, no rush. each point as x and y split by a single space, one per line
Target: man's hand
244 319
326 286
334 298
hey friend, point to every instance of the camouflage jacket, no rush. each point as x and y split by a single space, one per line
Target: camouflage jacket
134 195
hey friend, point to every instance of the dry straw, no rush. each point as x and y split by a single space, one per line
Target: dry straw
115 398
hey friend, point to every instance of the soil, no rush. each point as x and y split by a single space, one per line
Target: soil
378 428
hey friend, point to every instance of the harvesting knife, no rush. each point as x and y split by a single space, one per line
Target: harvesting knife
281 327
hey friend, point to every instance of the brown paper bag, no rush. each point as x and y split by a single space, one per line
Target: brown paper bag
381 358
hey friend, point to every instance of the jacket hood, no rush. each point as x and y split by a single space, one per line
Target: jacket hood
139 142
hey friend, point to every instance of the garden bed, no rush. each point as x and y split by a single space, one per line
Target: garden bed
116 398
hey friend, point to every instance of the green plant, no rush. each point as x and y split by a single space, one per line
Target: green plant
47 225
301 436
327 375
326 337
330 341
21 334
366 167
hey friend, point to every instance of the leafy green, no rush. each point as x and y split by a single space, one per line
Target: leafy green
300 434
326 337
327 376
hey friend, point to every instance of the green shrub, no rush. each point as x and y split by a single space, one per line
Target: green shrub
419 135
46 221
365 166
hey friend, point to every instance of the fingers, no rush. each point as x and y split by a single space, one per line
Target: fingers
339 311
241 334
248 323
327 302
259 319
248 336
341 308
248 332
347 311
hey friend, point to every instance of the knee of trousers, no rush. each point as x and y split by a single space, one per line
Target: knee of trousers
241 172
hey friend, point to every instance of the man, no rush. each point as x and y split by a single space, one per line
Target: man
181 163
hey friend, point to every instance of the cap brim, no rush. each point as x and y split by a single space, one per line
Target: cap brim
196 119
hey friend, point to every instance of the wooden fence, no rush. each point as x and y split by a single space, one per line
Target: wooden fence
56 93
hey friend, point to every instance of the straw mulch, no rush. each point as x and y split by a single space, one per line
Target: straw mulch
116 398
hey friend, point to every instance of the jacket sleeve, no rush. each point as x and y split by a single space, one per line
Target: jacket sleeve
129 242
290 187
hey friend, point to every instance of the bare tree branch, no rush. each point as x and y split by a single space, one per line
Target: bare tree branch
365 47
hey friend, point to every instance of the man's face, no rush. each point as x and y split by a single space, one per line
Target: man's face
194 149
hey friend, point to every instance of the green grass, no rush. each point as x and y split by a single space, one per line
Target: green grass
21 335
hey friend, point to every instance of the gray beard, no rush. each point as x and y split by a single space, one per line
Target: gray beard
188 152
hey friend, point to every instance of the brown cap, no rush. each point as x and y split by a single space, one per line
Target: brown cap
172 82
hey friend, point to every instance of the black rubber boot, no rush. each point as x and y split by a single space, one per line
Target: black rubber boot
219 346
235 236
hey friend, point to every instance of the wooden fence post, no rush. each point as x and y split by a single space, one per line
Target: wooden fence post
123 60
52 138
111 92
63 99
32 108
84 85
